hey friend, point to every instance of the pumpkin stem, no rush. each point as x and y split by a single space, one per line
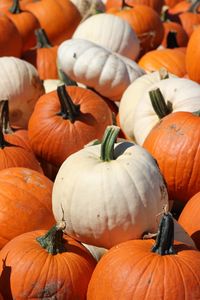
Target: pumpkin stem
172 40
163 73
69 110
66 79
197 113
165 238
52 241
194 7
158 102
42 39
4 117
124 4
108 141
15 8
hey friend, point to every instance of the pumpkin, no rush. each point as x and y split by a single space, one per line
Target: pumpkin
57 17
26 200
175 94
171 59
111 32
88 8
189 218
45 264
97 252
65 120
148 269
193 55
126 184
132 96
25 22
21 85
43 57
190 19
171 3
155 4
145 22
10 38
174 143
181 35
95 66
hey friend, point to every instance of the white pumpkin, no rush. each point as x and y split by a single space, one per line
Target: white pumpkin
109 193
52 84
88 8
133 94
111 32
90 64
21 86
182 95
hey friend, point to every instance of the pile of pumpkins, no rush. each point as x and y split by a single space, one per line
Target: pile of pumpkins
100 149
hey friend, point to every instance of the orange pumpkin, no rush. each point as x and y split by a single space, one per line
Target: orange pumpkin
25 202
174 143
173 60
155 4
181 35
64 121
57 17
43 57
45 265
171 3
10 38
189 219
145 22
25 22
193 56
148 269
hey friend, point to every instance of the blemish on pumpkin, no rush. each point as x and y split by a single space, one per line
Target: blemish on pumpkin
98 216
176 129
74 55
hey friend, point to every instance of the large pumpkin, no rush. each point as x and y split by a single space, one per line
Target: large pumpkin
64 121
193 55
25 202
109 193
148 269
45 265
155 4
107 72
174 142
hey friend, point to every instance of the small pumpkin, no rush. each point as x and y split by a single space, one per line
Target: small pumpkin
111 32
107 72
148 269
127 186
54 266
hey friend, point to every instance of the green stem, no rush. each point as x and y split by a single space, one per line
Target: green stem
197 113
158 102
42 39
194 7
108 142
4 117
172 40
165 238
66 79
69 110
52 241
15 8
163 73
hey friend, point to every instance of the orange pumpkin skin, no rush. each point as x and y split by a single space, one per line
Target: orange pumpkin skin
193 56
26 23
189 219
181 35
10 38
174 143
29 272
189 21
130 271
155 4
172 3
54 138
171 59
145 22
25 202
57 17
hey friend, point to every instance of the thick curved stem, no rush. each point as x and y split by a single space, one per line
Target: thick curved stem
158 102
52 241
165 238
42 39
108 142
15 8
69 110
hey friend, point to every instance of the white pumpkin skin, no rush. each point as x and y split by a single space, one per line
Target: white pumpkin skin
90 64
105 203
132 96
21 85
111 32
184 95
